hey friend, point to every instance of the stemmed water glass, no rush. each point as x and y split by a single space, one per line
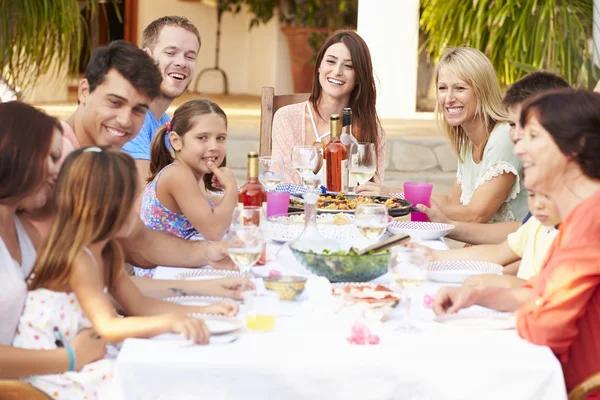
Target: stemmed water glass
304 160
408 270
245 239
362 162
371 220
270 171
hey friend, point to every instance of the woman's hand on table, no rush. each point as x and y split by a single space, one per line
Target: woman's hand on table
230 287
191 328
228 308
434 212
88 347
449 300
372 189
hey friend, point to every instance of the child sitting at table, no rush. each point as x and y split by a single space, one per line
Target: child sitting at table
529 244
175 201
80 268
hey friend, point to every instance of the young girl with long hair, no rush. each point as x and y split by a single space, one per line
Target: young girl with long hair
174 200
343 77
80 267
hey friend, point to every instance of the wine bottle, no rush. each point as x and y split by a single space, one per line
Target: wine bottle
336 157
252 193
347 139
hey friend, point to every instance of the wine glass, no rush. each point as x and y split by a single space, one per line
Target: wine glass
270 171
245 244
371 220
362 162
408 270
304 160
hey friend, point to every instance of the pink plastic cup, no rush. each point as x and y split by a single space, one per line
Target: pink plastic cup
277 203
418 193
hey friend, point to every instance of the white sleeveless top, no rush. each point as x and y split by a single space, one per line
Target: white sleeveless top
13 290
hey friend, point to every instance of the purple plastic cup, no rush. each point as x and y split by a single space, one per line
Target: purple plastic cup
418 193
277 203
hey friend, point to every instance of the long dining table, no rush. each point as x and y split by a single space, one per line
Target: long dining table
308 356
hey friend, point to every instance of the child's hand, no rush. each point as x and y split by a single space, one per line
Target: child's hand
191 328
224 176
228 308
88 348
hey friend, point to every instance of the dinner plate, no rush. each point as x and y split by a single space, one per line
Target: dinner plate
284 228
420 230
458 271
203 274
404 208
480 320
194 300
218 325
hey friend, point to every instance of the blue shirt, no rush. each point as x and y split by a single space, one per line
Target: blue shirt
527 217
139 146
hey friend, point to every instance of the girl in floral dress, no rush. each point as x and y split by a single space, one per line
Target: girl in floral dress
176 199
79 269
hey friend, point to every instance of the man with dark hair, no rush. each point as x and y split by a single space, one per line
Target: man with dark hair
475 233
173 43
120 82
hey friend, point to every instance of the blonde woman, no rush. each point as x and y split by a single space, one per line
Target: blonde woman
469 109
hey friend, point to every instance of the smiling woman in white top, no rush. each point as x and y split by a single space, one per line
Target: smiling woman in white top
343 77
488 187
30 147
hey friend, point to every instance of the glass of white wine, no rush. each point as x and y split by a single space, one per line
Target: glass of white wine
408 270
362 163
304 160
245 244
270 171
371 220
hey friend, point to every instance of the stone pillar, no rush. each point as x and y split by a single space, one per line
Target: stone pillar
391 30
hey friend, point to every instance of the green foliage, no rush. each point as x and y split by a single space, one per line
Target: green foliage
517 35
307 13
36 33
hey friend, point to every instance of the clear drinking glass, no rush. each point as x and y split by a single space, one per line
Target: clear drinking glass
304 160
371 220
270 171
408 269
362 162
246 238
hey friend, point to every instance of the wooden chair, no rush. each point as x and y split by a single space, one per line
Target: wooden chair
585 388
268 106
17 390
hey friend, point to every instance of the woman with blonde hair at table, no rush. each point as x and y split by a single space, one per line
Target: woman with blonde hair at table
469 109
561 307
343 77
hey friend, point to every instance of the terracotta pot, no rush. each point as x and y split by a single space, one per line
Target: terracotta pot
301 55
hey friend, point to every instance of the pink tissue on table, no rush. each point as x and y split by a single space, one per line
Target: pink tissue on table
428 301
360 334
274 272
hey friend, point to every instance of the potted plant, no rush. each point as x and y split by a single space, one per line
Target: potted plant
305 23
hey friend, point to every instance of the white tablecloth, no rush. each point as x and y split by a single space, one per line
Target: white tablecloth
307 357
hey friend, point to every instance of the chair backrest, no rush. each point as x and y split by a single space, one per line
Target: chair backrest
268 106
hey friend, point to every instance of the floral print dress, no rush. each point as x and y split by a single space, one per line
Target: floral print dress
159 218
45 312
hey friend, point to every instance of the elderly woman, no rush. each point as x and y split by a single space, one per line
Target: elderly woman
469 108
561 307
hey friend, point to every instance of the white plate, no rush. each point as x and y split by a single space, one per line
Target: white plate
481 320
458 271
420 230
194 300
283 229
202 274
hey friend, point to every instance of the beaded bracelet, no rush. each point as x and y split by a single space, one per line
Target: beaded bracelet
71 354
